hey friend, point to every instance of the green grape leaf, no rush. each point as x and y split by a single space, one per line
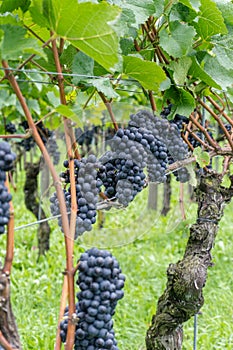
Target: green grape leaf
180 69
198 72
149 74
67 56
221 75
8 18
210 21
179 41
34 106
11 5
15 42
6 99
125 23
182 13
192 4
87 27
226 182
141 9
223 51
104 86
183 101
36 11
67 112
82 65
202 157
231 169
226 8
47 62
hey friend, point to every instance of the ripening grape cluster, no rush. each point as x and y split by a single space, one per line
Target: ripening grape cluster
10 127
147 142
177 123
48 137
86 193
121 178
7 159
101 283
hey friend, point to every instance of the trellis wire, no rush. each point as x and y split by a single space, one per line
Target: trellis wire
66 74
55 84
79 76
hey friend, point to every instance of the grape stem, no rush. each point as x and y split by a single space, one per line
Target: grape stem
204 144
226 164
216 117
109 108
152 101
185 138
61 312
4 343
212 142
69 241
226 151
56 179
10 239
221 110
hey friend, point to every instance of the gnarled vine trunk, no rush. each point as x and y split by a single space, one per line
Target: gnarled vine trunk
8 325
32 204
183 295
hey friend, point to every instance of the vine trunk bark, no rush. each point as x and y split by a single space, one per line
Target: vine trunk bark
8 325
183 296
32 204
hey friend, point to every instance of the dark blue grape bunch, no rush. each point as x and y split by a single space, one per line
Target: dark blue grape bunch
178 120
29 142
7 159
87 191
47 136
101 283
138 144
168 134
164 131
122 178
52 148
10 128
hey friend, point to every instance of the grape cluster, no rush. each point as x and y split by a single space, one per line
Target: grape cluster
179 120
101 282
167 133
7 159
29 142
122 178
10 128
48 137
147 141
138 144
86 193
52 148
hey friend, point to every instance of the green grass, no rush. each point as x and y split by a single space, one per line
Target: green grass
144 244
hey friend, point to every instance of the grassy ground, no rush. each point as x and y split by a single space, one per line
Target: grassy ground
144 244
